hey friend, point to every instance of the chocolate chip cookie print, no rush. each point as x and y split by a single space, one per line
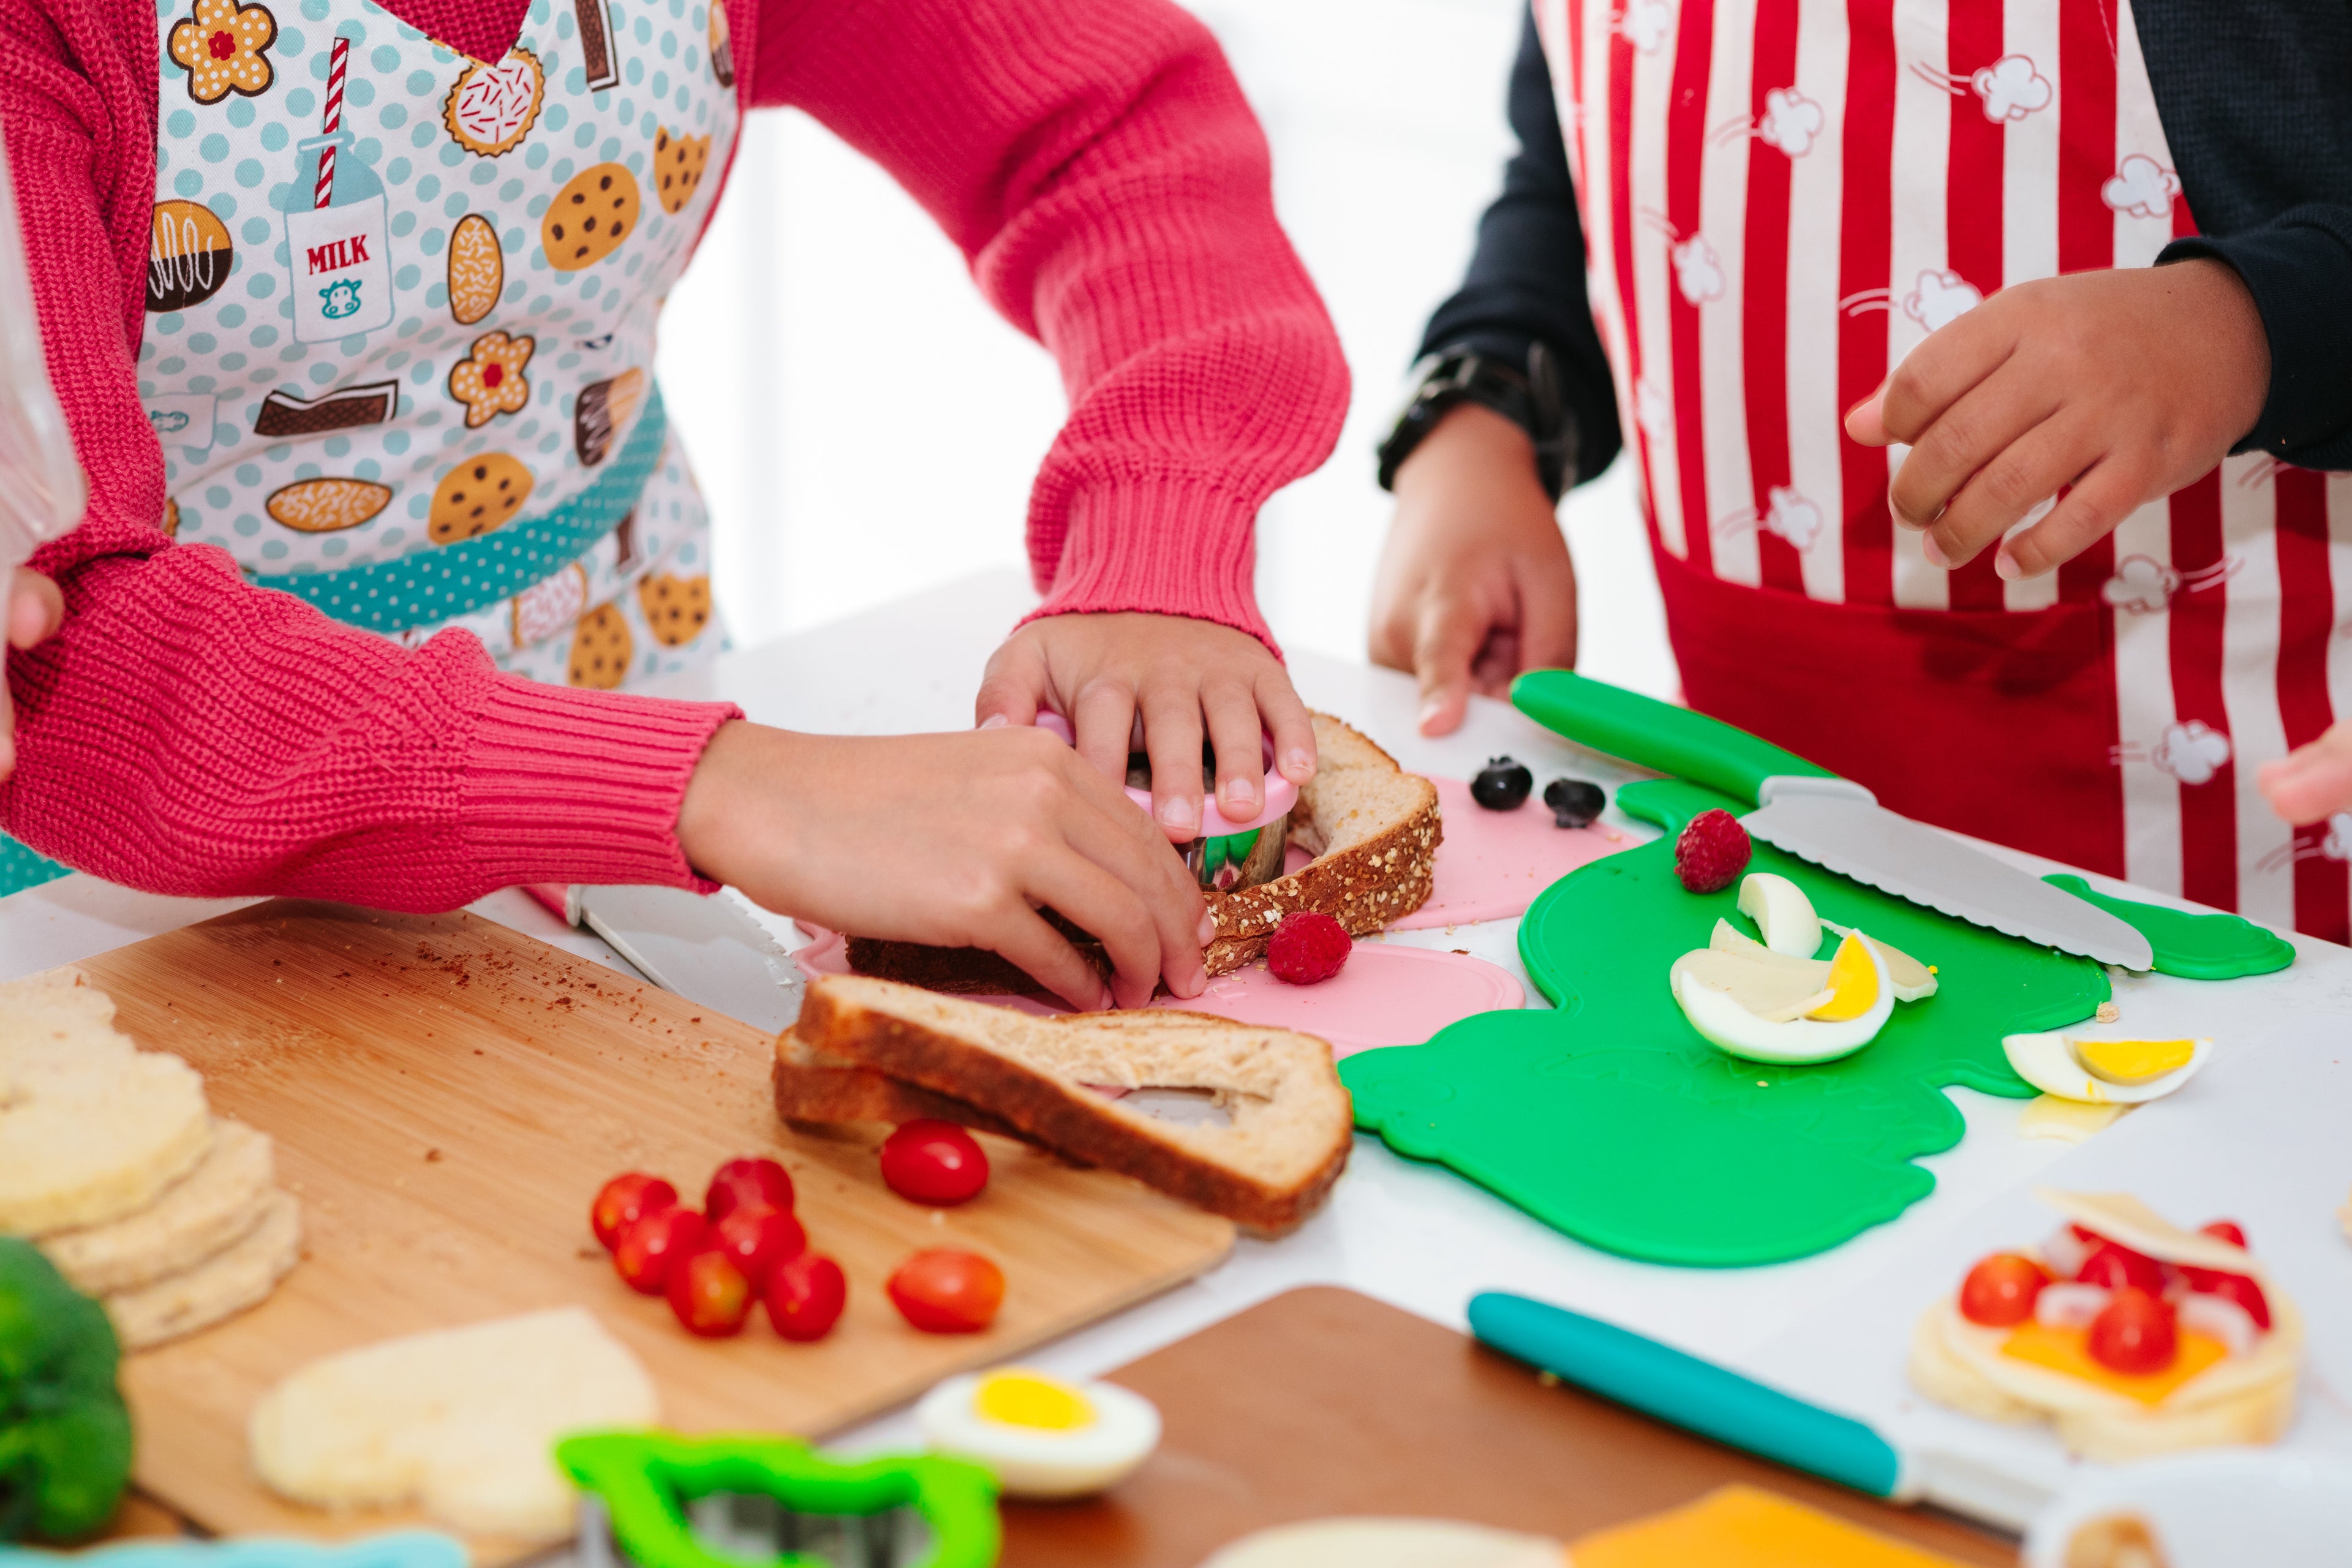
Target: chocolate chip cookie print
401 311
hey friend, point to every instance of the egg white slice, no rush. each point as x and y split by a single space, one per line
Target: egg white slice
1781 912
1724 1024
1042 1462
2051 1063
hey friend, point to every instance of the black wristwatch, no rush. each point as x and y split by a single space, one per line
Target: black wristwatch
1529 398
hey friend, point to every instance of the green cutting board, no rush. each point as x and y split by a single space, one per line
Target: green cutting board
1611 1119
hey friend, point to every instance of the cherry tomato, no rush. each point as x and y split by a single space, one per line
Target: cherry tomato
623 1201
941 1292
2000 1291
648 1248
2239 1288
805 1296
2113 1265
2135 1334
933 1163
2227 1231
747 1183
758 1239
709 1293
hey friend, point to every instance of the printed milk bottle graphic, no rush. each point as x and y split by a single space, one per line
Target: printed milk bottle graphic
338 249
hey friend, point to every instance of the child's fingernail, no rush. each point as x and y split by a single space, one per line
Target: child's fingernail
995 721
1297 765
1177 816
2005 567
1430 709
1208 927
1240 800
1933 552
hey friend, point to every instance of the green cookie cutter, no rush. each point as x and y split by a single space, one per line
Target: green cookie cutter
646 1479
2195 946
1612 1120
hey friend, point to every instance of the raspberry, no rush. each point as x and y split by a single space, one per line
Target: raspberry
1711 851
1307 948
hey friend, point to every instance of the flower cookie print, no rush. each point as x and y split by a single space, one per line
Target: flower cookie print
491 108
339 245
490 380
224 47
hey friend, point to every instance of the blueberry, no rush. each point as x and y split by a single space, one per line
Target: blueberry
1502 784
1573 802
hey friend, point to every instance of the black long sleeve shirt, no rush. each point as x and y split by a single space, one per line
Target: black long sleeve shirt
2256 102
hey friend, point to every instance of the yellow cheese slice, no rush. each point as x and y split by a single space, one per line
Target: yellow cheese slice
2066 1351
1746 1527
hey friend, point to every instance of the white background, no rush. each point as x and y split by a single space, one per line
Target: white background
866 426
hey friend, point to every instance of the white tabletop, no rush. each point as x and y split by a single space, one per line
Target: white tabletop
1413 1235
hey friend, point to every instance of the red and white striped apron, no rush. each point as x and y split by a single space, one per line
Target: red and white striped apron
1780 199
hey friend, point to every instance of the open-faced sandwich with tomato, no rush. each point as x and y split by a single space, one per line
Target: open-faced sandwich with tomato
2128 1334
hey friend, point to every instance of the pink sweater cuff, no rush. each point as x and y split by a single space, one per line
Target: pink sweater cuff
1160 545
582 787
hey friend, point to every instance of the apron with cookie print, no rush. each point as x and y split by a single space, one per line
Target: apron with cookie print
1780 199
402 307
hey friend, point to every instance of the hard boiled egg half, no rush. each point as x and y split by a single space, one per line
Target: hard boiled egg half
2103 1072
1753 1007
1042 1436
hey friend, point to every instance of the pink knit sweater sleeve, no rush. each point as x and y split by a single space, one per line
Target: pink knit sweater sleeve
188 734
1096 162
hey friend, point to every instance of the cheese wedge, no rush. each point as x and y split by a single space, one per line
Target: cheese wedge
91 1128
461 1421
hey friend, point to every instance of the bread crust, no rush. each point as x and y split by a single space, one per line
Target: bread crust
810 1092
837 1031
1363 886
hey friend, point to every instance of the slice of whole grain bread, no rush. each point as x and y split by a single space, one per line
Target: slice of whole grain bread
1289 1129
1373 830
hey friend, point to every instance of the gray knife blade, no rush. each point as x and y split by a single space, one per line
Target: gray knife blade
1838 825
705 949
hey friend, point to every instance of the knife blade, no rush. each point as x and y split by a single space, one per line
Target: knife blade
1835 823
705 949
1712 1401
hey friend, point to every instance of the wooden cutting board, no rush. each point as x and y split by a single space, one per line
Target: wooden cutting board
1322 1401
448 1096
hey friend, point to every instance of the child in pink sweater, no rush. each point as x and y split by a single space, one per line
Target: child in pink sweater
360 304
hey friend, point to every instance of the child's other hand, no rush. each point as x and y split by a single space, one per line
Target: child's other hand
2125 385
2311 782
1105 672
32 613
1475 582
951 840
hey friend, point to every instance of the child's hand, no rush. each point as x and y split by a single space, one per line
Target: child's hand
1474 584
1104 672
2314 782
954 840
2125 384
32 613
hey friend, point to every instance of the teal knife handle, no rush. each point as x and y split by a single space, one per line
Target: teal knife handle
1685 1391
1654 735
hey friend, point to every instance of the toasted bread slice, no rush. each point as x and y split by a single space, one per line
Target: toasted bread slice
808 1091
1286 1143
1372 829
238 1276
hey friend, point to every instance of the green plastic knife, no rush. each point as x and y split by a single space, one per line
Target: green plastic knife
1835 823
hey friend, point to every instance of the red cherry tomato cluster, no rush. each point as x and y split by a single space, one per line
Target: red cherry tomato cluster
714 1264
2137 1331
745 1246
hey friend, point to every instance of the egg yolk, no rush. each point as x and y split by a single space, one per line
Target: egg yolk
2133 1061
1853 983
1025 1399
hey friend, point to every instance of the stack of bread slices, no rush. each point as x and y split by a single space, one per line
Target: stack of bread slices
875 1050
114 1166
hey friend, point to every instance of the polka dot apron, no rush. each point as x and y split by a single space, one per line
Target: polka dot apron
401 308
